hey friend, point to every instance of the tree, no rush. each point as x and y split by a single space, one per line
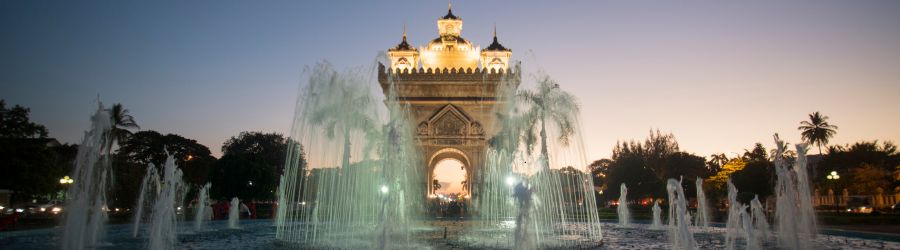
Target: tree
31 163
845 159
599 171
715 163
758 153
14 123
817 131
145 147
756 178
250 166
122 123
868 178
340 106
548 104
715 185
645 167
435 185
32 167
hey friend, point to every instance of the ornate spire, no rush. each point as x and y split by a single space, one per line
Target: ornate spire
495 46
450 12
495 35
403 44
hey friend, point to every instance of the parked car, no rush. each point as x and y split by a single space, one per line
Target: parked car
859 205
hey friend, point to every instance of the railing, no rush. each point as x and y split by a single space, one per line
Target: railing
877 201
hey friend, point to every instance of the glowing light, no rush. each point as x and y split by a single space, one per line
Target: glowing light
384 189
55 209
510 180
19 210
66 180
43 209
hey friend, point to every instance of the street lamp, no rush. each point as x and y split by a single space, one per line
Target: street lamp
833 176
66 180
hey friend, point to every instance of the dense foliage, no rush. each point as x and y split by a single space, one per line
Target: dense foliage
250 167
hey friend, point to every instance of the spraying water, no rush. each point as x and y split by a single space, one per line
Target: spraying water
680 235
86 207
733 227
657 213
524 238
760 224
624 214
794 214
358 180
750 236
234 213
702 219
163 222
149 190
201 214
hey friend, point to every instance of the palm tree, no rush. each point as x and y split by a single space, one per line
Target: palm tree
122 123
817 131
344 111
716 161
548 104
435 185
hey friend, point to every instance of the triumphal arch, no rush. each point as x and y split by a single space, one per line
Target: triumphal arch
450 87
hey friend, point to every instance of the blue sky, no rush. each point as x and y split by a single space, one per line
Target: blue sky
719 75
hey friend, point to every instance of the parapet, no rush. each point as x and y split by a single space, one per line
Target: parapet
474 75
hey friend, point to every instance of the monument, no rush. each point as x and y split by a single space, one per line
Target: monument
450 87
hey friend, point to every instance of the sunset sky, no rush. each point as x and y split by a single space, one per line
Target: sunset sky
720 75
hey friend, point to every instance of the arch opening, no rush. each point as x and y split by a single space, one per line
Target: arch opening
449 178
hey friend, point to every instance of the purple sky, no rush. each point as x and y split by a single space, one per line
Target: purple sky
719 75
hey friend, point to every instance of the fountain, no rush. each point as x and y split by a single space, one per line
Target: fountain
794 214
201 213
234 213
524 239
86 205
680 235
360 185
702 219
750 236
657 213
622 209
163 222
149 190
760 224
733 227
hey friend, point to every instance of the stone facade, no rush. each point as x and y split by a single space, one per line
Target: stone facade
451 99
452 112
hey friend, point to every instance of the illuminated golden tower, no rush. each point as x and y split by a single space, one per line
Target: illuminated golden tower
451 95
404 56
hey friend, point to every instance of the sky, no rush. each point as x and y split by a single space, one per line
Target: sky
719 75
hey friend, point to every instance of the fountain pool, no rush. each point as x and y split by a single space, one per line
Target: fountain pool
260 234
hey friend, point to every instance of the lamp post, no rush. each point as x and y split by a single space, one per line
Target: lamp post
832 178
65 181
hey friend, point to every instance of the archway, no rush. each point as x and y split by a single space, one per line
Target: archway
449 159
449 178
